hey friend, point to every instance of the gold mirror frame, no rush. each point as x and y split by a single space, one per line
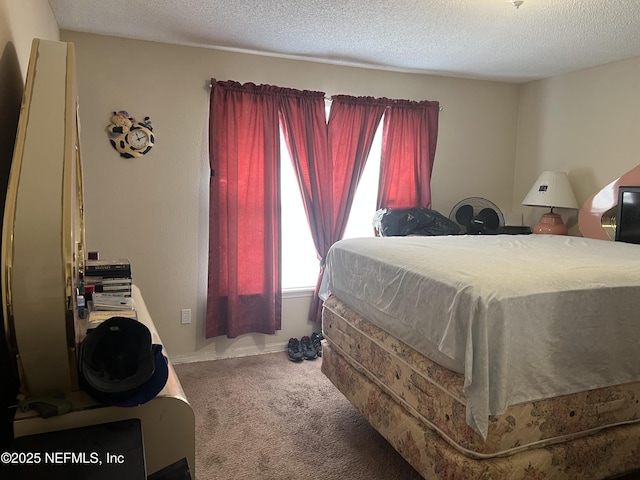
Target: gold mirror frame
43 229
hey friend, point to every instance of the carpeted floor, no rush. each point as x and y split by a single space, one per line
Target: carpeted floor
266 418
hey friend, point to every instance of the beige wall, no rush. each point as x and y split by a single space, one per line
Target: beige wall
154 209
585 123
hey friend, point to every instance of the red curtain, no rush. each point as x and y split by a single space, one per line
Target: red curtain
353 122
328 160
409 140
304 126
244 293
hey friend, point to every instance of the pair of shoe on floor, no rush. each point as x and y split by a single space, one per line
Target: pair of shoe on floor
307 348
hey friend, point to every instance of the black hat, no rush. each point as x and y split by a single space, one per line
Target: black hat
119 365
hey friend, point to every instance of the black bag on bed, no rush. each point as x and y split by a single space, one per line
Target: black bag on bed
413 221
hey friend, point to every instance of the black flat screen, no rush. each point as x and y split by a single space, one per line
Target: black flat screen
628 215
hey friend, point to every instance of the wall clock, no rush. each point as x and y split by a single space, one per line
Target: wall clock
130 138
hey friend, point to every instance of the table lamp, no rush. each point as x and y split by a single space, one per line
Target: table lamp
552 190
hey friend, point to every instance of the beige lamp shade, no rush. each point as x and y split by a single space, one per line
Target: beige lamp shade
552 189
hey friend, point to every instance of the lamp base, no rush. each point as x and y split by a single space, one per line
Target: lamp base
551 223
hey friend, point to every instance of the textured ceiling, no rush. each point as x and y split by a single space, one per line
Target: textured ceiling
485 39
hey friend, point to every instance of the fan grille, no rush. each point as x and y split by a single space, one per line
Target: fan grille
477 215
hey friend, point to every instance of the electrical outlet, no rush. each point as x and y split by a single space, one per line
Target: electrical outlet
185 316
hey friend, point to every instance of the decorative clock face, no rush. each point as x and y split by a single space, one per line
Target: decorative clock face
138 139
129 137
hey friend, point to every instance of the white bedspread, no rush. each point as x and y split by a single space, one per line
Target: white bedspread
524 317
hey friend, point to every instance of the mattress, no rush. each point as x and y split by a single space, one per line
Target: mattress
435 395
605 454
521 317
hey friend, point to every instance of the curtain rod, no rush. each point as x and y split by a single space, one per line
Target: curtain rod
329 99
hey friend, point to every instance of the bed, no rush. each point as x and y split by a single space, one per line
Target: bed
497 356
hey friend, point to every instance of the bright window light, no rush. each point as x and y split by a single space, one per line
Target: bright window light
300 265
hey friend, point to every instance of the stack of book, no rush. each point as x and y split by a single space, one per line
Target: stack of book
104 307
100 301
108 277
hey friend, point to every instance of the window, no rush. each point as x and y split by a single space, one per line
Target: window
300 265
299 258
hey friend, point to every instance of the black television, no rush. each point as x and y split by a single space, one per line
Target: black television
628 215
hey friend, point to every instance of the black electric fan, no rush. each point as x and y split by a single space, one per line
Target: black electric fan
477 215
